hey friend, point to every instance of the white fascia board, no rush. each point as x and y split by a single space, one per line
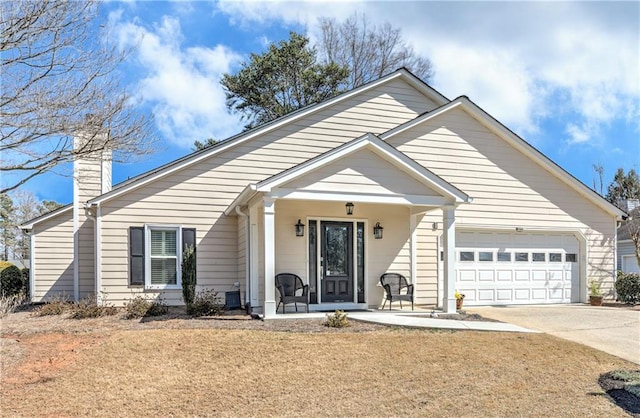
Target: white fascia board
268 127
31 223
361 198
514 140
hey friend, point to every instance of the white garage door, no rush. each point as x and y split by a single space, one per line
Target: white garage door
630 264
518 268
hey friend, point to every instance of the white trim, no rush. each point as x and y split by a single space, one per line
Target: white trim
76 228
98 254
269 222
380 148
144 179
413 233
361 198
449 263
518 143
254 266
147 256
46 216
32 266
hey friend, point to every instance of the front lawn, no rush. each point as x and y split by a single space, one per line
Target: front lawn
199 370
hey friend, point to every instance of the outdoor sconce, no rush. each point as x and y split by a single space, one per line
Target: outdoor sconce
519 229
377 231
349 207
299 229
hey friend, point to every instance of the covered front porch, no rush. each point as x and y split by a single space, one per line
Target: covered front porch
341 220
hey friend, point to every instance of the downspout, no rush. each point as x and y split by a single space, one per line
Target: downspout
97 248
247 281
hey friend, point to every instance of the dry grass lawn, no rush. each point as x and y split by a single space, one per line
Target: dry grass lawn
261 372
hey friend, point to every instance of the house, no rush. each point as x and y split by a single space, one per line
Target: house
627 260
389 177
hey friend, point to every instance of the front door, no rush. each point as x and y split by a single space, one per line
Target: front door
337 261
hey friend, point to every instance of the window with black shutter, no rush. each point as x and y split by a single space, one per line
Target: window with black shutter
136 255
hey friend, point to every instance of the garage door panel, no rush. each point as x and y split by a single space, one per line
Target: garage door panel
533 270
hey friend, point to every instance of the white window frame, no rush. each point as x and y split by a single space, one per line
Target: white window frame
147 256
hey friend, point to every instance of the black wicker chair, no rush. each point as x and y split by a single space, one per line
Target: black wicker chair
397 288
292 290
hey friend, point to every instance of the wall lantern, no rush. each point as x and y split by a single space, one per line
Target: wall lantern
349 207
377 231
299 229
519 229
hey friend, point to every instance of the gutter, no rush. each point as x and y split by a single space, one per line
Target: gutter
247 281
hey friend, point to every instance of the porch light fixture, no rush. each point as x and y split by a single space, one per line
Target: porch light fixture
299 229
519 229
377 231
349 207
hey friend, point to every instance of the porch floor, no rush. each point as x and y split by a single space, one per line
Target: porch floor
420 318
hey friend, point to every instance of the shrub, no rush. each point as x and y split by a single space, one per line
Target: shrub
25 281
189 275
337 320
139 307
628 287
56 306
4 265
88 308
10 303
11 282
206 303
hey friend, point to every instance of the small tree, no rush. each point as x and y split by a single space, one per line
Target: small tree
189 275
631 227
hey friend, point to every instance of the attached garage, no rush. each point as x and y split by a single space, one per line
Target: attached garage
500 268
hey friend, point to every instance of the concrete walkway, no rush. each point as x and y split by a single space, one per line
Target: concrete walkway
614 330
417 319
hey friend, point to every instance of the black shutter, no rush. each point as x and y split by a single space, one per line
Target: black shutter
136 255
189 239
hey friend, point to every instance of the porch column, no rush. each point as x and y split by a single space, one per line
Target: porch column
413 226
449 264
269 258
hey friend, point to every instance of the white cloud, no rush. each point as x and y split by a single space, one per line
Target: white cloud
181 84
514 59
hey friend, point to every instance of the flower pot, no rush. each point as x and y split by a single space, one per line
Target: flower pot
595 300
459 303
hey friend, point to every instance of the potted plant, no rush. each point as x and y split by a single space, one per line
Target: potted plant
459 300
595 294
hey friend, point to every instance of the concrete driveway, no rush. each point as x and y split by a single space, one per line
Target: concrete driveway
612 330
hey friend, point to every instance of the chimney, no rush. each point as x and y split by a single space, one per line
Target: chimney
91 178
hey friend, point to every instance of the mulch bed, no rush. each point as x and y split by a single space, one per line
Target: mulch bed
615 388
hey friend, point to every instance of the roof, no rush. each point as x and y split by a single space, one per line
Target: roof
369 141
221 146
514 140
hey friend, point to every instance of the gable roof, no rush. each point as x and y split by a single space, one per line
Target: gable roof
200 155
368 141
29 224
463 102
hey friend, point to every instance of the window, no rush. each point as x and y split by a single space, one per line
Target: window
504 256
538 257
485 256
555 257
467 256
522 256
571 257
164 257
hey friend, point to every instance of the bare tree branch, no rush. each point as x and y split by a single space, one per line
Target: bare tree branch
59 80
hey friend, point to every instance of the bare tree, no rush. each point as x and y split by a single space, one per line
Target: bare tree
598 170
369 51
60 79
631 227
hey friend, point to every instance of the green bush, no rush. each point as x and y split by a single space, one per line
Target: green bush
188 275
11 282
337 320
139 307
628 287
206 303
88 308
25 281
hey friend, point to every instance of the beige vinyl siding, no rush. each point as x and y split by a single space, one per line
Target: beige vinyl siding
242 254
361 172
508 188
197 195
53 253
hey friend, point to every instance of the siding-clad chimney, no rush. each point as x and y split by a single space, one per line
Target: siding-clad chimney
91 178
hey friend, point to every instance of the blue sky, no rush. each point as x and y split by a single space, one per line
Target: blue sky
564 76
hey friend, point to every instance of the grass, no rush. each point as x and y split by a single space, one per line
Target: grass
215 372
